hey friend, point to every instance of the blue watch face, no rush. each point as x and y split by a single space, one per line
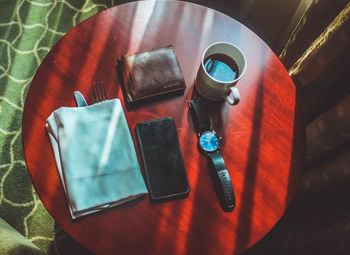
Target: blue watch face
209 141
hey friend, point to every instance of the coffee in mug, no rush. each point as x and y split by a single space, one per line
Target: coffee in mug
222 65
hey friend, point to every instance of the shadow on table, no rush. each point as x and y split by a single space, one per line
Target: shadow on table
64 244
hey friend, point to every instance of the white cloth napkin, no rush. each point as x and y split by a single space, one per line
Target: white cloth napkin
95 156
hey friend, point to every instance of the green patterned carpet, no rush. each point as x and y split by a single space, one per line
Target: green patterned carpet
28 30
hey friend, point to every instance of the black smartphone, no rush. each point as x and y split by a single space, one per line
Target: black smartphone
162 159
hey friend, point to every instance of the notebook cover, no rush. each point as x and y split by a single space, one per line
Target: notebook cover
151 73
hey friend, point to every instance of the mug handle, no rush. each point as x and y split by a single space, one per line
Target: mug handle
235 96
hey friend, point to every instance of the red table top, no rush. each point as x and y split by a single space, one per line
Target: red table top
263 138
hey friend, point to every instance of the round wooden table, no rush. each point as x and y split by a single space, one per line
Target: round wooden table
263 137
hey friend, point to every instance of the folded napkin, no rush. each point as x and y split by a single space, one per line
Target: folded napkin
95 156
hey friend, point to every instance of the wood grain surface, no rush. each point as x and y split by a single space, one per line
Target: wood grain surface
264 140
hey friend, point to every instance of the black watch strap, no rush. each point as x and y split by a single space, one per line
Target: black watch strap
224 181
199 115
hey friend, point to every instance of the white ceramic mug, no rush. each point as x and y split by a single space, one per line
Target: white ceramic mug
213 89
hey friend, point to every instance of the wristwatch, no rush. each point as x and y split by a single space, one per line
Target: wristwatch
209 143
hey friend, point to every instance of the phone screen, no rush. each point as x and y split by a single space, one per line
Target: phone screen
162 159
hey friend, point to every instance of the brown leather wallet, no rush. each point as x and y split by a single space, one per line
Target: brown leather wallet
151 73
